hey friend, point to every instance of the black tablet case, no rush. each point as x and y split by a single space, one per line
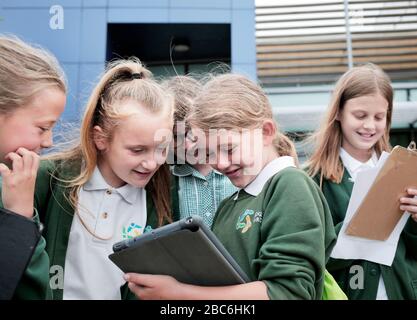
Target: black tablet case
18 239
186 250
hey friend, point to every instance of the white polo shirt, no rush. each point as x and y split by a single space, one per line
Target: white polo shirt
112 214
255 187
354 166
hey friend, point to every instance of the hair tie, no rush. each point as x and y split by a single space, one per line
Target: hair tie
137 75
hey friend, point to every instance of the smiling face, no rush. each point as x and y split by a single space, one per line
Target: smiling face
363 121
137 147
233 161
239 155
30 126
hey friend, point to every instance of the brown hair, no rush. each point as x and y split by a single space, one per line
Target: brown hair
123 79
184 89
25 70
360 81
232 101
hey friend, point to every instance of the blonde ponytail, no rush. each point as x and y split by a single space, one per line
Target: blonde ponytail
123 79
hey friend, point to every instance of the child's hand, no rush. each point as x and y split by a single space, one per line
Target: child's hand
18 185
410 203
154 287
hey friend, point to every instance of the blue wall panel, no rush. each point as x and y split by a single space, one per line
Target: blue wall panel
243 44
33 26
93 37
81 45
132 15
200 16
212 4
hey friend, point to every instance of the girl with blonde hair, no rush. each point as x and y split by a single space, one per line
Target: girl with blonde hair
110 186
197 189
354 133
277 226
32 98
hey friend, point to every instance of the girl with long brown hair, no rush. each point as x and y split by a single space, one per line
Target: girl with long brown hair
354 133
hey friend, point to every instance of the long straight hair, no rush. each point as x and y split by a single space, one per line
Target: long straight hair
25 70
123 79
360 81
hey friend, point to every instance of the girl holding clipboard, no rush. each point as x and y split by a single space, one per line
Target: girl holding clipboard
354 134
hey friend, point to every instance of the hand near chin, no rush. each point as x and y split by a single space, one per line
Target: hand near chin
18 182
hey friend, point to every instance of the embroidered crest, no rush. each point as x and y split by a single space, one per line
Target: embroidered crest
258 217
244 222
131 231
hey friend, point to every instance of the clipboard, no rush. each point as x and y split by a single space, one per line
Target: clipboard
379 212
186 250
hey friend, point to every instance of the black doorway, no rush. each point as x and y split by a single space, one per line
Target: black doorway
190 47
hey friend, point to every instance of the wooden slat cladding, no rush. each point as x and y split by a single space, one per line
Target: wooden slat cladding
304 42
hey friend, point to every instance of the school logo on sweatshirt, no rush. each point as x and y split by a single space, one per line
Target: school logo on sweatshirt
131 231
247 219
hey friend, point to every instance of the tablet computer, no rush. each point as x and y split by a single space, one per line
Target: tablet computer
186 250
